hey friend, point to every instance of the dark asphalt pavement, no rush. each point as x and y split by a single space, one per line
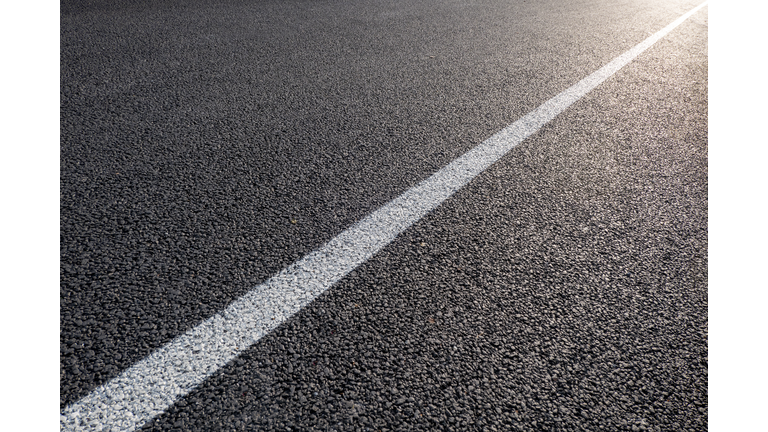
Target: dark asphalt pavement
206 145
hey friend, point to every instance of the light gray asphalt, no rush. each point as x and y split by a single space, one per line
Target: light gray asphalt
207 145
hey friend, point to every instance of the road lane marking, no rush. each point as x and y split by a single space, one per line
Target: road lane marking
152 385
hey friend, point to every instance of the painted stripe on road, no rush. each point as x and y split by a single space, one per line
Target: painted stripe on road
152 385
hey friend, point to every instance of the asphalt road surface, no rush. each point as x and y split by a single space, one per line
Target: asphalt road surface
207 145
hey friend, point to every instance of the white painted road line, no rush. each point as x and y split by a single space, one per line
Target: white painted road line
152 385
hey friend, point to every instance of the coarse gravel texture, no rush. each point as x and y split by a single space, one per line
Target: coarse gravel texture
564 289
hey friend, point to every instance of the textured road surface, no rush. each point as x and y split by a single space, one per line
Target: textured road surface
206 145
